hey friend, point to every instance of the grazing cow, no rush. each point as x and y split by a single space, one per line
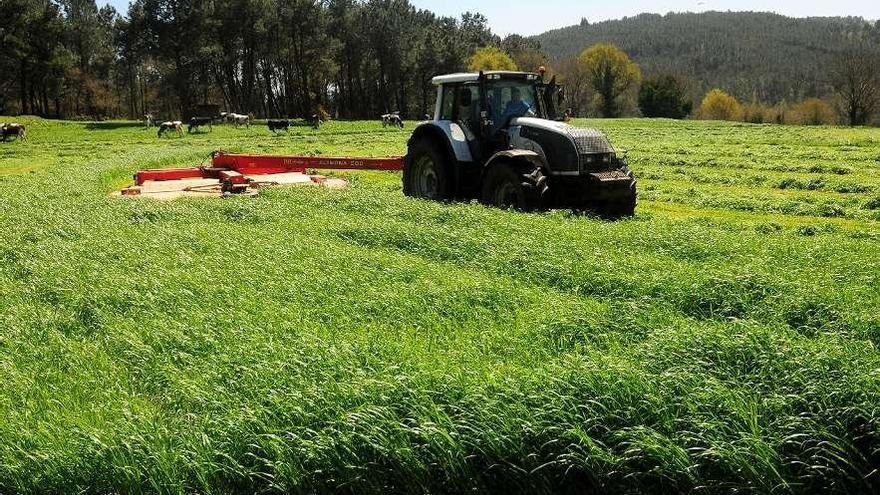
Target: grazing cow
315 121
196 122
149 120
278 124
239 119
13 130
171 126
392 119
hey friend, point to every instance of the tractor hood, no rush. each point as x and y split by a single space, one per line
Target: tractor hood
586 139
567 149
549 125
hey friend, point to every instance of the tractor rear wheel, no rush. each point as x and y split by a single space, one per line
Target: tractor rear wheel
518 186
424 172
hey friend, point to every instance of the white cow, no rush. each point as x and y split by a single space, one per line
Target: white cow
238 119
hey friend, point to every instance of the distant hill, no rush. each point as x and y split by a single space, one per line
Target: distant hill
772 56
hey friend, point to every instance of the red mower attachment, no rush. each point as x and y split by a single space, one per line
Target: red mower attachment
236 173
278 164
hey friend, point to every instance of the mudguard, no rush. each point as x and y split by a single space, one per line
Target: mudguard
516 155
452 134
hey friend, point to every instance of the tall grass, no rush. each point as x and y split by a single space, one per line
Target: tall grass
311 340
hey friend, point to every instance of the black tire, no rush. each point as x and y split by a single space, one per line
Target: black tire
426 171
626 207
519 186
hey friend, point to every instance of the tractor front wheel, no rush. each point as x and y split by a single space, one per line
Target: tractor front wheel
518 186
424 172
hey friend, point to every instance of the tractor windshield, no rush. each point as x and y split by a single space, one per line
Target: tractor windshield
510 99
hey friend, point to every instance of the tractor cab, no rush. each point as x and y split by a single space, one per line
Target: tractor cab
485 104
500 136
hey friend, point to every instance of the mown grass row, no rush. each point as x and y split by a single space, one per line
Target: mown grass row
310 340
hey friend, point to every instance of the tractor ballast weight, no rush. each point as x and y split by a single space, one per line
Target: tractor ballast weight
500 137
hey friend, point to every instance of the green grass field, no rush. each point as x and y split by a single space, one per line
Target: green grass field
725 339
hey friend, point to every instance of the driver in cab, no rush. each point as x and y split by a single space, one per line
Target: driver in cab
515 108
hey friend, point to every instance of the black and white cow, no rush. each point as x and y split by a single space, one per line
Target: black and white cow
196 122
392 119
278 124
171 126
13 130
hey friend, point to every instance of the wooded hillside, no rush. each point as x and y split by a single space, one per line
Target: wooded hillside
752 55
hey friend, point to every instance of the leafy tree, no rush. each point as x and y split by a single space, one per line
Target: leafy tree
578 91
857 83
525 52
531 60
779 113
474 30
664 96
754 112
34 61
491 58
718 105
814 111
514 43
611 74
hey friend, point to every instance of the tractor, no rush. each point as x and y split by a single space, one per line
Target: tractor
501 137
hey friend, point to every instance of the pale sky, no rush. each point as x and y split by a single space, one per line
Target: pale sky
529 17
536 16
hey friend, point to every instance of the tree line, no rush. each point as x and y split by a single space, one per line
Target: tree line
363 58
603 81
609 84
351 58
